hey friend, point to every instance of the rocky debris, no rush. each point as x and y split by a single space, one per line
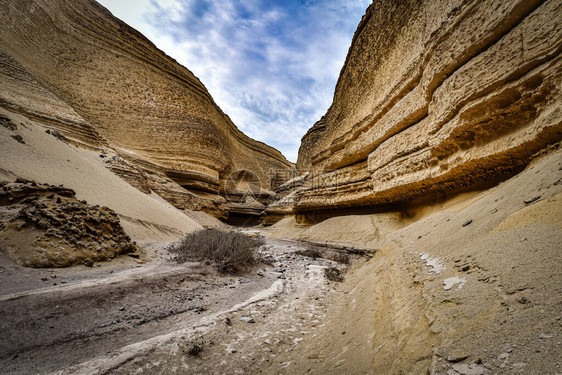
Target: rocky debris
199 309
457 355
51 228
247 319
468 369
466 223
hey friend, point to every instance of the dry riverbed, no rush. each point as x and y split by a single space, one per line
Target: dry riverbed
159 317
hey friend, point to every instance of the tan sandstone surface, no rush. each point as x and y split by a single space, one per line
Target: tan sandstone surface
77 68
480 274
435 97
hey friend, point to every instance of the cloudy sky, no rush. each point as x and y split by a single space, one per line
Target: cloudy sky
271 65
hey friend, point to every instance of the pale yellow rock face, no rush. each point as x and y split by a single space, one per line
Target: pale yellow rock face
152 111
436 97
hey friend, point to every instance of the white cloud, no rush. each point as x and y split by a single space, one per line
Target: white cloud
271 66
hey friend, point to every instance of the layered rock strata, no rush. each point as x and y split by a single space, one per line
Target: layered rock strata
114 86
435 98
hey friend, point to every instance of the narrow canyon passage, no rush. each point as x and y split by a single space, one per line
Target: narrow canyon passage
398 212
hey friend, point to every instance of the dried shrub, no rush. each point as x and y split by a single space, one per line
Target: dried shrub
310 252
230 252
333 274
195 349
340 258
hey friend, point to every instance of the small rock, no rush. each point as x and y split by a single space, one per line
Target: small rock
503 356
523 300
18 138
531 200
519 364
472 369
468 222
44 278
260 274
457 355
228 322
544 336
122 309
247 319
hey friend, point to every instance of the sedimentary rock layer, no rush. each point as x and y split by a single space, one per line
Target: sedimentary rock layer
23 94
126 92
436 97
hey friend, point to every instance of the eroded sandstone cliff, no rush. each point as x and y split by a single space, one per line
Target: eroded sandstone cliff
435 97
100 82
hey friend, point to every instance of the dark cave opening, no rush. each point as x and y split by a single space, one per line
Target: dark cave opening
243 220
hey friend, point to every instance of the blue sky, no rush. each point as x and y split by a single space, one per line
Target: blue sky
271 65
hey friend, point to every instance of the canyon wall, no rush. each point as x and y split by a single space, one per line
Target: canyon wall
101 83
435 97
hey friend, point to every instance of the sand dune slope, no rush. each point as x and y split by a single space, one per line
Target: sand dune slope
482 276
46 159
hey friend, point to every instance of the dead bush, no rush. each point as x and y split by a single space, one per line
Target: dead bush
340 257
310 252
230 252
195 349
333 274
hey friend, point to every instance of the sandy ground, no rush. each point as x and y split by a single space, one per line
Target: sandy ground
106 318
480 274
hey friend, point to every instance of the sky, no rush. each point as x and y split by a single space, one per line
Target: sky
271 65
